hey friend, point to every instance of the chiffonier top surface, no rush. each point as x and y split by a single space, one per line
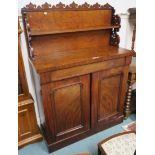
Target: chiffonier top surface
66 59
63 36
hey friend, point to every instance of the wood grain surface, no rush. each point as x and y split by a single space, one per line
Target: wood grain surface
81 70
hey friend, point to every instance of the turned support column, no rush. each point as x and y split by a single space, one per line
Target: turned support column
132 69
128 100
131 80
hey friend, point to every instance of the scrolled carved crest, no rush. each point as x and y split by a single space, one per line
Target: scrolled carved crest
96 6
60 5
30 6
73 5
85 5
106 6
46 6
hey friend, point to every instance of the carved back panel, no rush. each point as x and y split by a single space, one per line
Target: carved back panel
68 42
60 21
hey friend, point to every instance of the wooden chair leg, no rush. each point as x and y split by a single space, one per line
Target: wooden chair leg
128 101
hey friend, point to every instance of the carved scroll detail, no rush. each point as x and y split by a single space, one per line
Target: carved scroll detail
106 6
60 5
114 38
96 6
46 6
30 6
29 38
71 6
85 5
116 20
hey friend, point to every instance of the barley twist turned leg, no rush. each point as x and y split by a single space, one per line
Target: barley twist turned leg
128 101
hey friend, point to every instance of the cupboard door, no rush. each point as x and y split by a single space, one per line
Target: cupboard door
108 92
67 106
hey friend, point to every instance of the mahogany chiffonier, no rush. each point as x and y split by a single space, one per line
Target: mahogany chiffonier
79 71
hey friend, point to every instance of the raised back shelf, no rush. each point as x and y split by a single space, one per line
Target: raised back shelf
40 33
82 25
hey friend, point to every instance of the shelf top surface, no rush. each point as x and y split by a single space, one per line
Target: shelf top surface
66 59
40 33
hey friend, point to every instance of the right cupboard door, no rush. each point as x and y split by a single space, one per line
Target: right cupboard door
108 94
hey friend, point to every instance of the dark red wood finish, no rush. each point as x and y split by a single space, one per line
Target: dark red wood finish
79 71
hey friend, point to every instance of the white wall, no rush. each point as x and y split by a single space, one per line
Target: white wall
121 7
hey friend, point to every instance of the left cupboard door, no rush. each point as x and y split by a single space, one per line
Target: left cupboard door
67 107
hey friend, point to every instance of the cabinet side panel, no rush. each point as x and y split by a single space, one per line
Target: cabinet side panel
36 82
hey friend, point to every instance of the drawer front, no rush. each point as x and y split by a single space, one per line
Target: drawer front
86 69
